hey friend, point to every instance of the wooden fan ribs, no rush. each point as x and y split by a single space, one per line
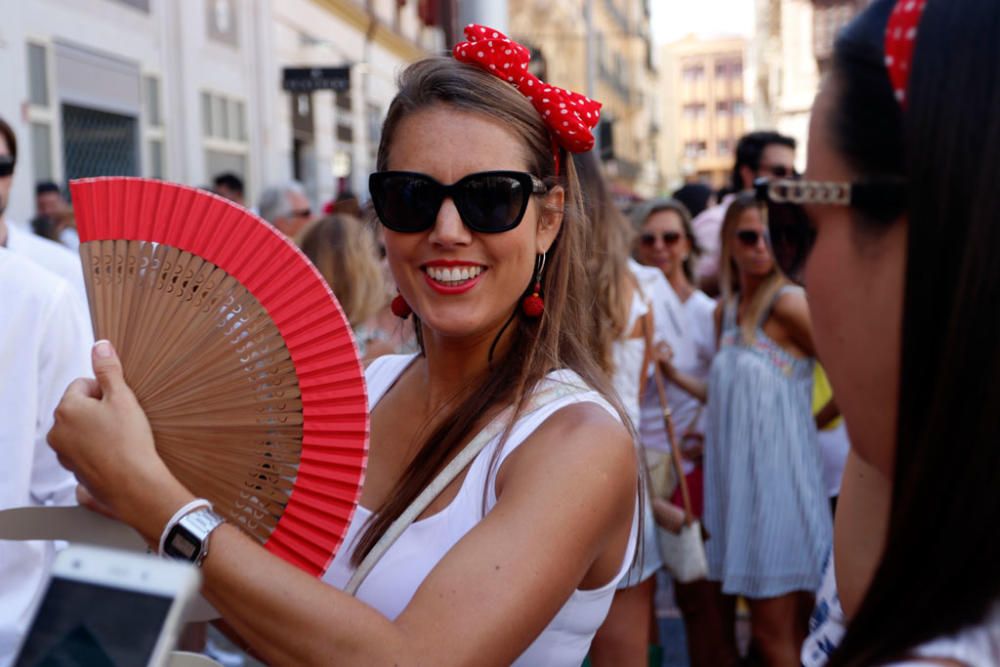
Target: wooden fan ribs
235 348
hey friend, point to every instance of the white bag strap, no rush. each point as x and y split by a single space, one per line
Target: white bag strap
446 477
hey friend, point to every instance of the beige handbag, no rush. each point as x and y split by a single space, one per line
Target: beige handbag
683 553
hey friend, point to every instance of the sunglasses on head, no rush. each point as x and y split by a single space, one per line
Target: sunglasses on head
750 237
790 232
6 165
489 202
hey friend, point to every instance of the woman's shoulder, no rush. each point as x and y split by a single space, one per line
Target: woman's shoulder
973 646
564 387
566 418
790 307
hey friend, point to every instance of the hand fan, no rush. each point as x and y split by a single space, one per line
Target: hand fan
238 352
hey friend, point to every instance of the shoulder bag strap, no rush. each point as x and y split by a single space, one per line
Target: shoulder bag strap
443 479
668 420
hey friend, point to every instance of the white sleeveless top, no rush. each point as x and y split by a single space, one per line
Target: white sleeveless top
396 577
627 354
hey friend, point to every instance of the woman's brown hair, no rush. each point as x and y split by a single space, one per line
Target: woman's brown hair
729 276
342 248
560 338
606 262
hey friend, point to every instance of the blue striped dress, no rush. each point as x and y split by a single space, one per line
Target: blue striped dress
765 506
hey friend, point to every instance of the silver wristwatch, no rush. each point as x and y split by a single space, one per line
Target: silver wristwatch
188 539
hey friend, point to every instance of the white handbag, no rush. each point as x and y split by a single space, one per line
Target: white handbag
683 553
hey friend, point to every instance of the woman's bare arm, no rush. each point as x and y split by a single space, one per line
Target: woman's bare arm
484 603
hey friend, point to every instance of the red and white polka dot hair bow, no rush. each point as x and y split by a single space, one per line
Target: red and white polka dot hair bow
900 40
571 117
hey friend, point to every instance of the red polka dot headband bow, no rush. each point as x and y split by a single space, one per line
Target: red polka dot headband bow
571 117
900 40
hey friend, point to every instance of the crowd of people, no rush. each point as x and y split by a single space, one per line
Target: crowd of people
500 293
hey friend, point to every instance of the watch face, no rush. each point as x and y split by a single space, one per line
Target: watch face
181 544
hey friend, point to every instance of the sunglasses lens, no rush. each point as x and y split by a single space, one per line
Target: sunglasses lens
792 237
647 240
405 202
670 238
747 236
492 203
6 166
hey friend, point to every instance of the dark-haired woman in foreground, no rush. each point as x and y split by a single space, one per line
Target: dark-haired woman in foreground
903 204
511 563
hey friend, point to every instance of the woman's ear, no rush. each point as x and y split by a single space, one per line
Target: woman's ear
551 218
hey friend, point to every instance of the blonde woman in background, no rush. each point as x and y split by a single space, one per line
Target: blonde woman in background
343 250
765 504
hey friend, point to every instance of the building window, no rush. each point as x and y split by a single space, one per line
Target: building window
157 168
729 69
41 152
38 75
223 117
141 5
344 129
693 72
222 22
695 149
99 143
694 111
224 127
154 116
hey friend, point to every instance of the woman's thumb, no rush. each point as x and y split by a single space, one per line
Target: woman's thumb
107 367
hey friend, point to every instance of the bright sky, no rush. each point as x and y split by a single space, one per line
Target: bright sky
673 19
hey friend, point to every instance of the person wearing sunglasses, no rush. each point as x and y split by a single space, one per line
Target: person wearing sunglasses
759 154
765 503
20 240
665 240
894 233
516 560
286 206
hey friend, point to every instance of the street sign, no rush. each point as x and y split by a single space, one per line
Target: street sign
308 79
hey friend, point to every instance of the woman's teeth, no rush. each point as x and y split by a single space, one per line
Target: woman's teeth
454 275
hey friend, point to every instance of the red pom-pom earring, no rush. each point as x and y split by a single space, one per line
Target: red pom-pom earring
532 305
399 307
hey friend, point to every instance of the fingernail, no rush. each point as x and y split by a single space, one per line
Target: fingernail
103 349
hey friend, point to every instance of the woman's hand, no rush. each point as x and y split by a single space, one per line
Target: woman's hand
102 435
693 446
668 516
664 355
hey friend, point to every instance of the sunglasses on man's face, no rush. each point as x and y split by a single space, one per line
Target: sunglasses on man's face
790 232
648 240
779 171
6 165
489 202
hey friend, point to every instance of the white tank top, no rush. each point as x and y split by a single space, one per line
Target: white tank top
396 577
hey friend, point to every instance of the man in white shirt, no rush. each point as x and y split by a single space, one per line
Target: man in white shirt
18 240
44 345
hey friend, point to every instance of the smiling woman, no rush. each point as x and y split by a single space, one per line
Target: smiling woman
509 563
